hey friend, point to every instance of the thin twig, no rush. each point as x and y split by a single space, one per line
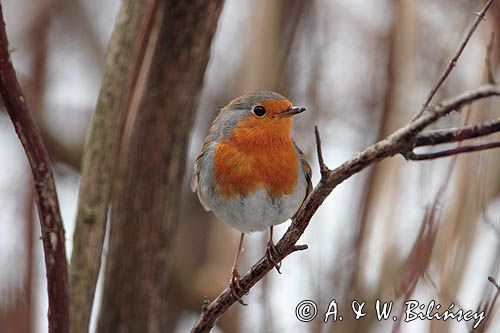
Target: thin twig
450 152
448 135
322 166
453 61
494 282
399 142
46 198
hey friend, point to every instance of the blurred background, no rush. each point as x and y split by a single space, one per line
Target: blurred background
399 230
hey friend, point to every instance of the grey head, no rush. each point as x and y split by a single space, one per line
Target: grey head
238 109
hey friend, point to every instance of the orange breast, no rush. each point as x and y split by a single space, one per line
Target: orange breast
259 153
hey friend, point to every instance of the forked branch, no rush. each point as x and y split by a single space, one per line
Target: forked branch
448 135
401 141
453 62
453 151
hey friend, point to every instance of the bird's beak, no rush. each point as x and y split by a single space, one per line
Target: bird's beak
292 111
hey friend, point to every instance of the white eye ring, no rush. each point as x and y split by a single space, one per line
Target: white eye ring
259 111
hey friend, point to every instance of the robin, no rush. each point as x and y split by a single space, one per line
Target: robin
250 173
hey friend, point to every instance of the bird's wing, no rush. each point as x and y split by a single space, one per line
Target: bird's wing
195 185
307 169
196 170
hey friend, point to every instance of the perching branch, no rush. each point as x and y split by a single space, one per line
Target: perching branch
46 195
453 61
401 141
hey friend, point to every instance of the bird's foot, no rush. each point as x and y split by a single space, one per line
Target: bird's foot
271 254
235 286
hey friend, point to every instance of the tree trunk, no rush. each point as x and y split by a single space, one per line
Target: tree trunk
101 149
146 195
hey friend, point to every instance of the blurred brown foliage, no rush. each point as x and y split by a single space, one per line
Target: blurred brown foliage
362 68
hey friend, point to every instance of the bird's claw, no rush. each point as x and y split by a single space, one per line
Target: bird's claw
235 286
271 254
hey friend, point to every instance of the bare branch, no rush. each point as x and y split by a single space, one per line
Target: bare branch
453 61
450 152
494 282
435 137
399 142
46 198
322 166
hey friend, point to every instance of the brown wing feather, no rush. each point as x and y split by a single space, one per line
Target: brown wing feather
196 171
307 169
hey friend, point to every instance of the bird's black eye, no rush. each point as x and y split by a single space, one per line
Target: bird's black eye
259 111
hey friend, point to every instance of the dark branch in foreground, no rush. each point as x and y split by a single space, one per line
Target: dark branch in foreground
401 141
46 196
